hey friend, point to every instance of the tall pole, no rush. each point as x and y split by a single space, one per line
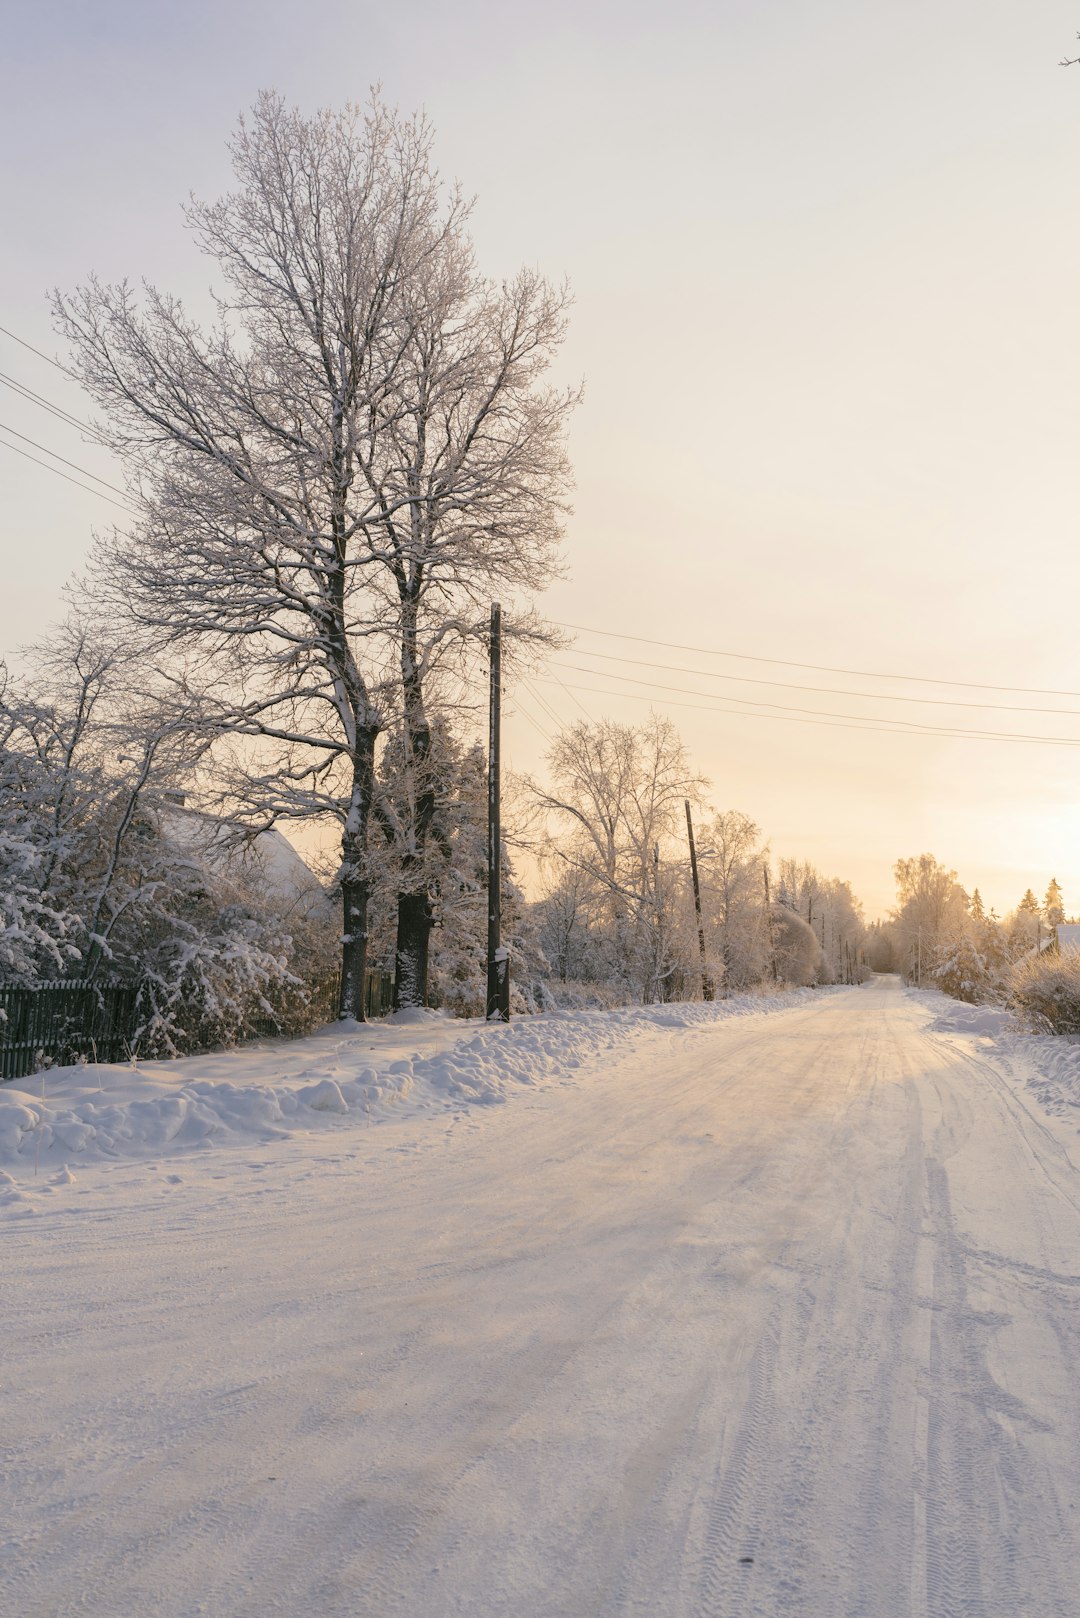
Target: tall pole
768 923
706 980
498 959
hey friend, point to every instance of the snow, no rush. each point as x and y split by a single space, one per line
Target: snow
768 1314
414 1062
1046 1066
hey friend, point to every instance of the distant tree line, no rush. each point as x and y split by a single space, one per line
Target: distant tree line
941 936
617 913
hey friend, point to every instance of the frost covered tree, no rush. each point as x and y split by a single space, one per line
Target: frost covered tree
332 474
962 969
733 897
37 931
468 480
613 812
931 911
1053 906
455 877
795 946
831 910
569 915
104 876
1023 926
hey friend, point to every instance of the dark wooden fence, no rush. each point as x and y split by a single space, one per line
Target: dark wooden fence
378 996
64 1022
57 1023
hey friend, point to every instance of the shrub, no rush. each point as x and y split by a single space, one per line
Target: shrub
960 969
1045 989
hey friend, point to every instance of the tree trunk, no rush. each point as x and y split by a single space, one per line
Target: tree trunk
414 915
414 923
354 943
355 887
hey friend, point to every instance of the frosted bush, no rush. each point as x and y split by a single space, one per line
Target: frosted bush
960 969
1045 990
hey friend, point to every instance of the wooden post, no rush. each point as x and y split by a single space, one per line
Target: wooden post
706 980
498 959
768 923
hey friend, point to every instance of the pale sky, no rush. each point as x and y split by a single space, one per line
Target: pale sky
825 265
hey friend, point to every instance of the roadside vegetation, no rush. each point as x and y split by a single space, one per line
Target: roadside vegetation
939 935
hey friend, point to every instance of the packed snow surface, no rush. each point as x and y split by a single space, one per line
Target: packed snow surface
772 1316
416 1060
1048 1065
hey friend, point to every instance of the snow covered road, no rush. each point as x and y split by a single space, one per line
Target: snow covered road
777 1316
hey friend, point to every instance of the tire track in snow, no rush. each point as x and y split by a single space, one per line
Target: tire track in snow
732 1530
995 1521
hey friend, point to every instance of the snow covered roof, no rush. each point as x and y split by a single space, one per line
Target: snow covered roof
279 868
1068 937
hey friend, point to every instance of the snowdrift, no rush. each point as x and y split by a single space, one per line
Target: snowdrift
415 1061
1046 1064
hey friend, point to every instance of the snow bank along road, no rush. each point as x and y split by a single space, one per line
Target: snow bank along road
771 1316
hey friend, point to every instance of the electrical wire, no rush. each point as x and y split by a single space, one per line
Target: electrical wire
861 722
33 350
542 703
576 700
824 690
840 722
820 668
44 448
45 404
945 730
520 708
67 479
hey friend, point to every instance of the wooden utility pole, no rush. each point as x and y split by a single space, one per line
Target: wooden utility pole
498 959
768 923
706 980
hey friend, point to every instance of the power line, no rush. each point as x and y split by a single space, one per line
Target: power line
824 690
519 707
33 350
576 699
67 479
892 724
819 668
45 404
73 464
898 727
542 703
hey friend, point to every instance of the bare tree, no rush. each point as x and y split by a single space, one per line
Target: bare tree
615 804
931 910
734 896
468 481
332 474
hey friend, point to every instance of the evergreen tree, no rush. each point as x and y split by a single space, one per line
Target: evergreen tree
1053 904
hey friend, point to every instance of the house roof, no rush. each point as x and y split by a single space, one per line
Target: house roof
281 870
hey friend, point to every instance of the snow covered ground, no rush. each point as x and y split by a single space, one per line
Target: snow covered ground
759 1314
414 1062
1048 1065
